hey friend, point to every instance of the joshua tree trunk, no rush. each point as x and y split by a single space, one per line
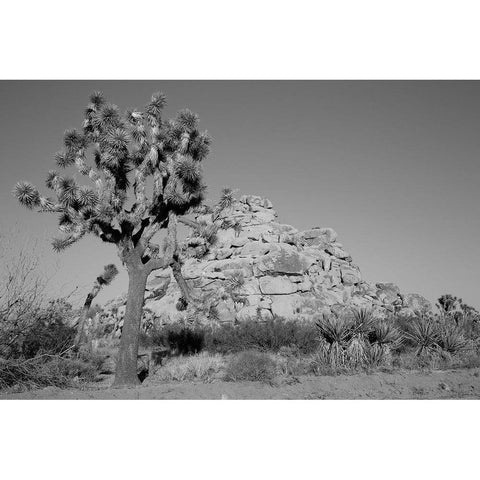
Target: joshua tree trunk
126 371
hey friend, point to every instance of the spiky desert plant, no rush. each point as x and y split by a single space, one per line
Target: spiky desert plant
128 150
363 321
355 351
447 304
235 281
451 339
226 202
335 329
374 355
385 333
469 311
423 332
105 278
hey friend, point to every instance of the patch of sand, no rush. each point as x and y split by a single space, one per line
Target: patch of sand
447 384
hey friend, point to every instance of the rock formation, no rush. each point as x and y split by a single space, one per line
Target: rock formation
260 268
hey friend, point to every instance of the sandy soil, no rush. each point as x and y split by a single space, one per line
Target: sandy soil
448 384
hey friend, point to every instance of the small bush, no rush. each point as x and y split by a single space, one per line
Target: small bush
270 336
180 339
46 371
290 361
203 367
48 335
228 338
48 330
250 365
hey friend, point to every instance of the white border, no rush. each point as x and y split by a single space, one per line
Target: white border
239 40
214 39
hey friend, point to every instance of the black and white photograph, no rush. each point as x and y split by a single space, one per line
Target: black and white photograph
239 240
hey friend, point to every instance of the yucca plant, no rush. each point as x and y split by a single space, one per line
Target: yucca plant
374 355
385 333
423 332
451 339
363 322
119 154
335 329
355 352
235 281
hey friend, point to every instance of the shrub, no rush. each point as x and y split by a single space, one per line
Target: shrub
203 367
47 330
180 339
250 365
45 371
49 334
271 335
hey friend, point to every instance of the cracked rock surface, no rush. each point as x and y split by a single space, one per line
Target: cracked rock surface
264 268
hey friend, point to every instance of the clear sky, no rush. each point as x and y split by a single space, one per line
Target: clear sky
392 166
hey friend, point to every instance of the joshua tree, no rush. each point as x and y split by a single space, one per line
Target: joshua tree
447 304
146 175
105 278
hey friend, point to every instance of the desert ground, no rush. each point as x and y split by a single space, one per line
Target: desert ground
439 384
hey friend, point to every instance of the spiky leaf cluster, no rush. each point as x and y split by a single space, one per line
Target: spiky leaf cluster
109 273
116 155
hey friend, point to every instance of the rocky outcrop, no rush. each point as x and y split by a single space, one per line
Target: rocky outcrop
262 268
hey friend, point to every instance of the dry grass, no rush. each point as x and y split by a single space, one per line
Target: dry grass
203 367
251 365
46 371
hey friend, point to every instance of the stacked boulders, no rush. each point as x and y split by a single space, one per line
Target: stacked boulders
260 268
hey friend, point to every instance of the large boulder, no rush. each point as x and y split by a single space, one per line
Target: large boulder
414 304
285 259
388 293
263 268
277 285
286 306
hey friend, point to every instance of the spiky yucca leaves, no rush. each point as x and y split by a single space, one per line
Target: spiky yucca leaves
335 329
447 303
385 333
27 194
227 198
110 271
119 154
126 149
375 355
355 351
235 281
363 322
423 333
451 339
